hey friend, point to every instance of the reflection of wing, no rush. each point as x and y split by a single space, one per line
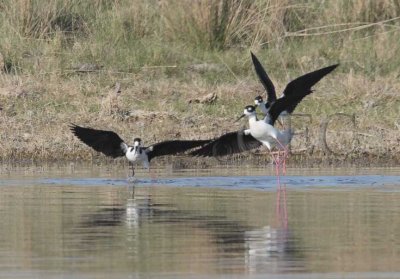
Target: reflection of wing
296 90
106 142
230 143
172 147
264 78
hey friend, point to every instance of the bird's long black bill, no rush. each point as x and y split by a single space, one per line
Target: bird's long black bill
243 115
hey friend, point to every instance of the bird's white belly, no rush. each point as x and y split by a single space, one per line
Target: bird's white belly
133 156
136 156
261 131
264 133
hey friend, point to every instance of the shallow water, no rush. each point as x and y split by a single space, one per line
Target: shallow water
86 223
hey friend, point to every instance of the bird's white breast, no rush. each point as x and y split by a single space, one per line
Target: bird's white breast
134 155
262 131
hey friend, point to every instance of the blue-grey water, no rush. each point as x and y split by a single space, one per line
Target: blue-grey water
226 223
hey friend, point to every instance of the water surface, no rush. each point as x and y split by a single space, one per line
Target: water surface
200 224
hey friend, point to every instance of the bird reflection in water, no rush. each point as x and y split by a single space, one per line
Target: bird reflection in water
270 249
139 219
137 206
281 214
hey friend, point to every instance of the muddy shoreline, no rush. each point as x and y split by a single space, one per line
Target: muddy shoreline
259 160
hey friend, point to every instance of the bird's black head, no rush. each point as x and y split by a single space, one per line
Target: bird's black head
258 100
137 141
250 109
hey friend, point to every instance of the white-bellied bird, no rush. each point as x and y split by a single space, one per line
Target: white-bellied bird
110 144
263 131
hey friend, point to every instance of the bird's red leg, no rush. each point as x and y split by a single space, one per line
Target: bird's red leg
280 211
285 214
278 193
273 153
282 214
282 146
284 163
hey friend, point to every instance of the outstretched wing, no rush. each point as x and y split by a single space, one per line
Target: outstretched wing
106 142
296 90
172 147
230 143
264 78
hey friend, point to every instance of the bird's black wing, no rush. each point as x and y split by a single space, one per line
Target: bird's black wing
230 143
302 85
106 142
172 147
296 90
264 78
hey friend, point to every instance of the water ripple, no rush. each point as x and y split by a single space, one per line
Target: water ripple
236 182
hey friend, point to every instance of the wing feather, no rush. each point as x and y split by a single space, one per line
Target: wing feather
264 78
172 147
230 143
296 90
106 142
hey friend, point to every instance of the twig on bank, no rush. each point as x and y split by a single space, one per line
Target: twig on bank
360 26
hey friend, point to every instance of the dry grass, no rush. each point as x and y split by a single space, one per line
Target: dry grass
36 114
165 53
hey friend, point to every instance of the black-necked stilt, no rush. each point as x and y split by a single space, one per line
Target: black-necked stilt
274 107
294 92
110 144
260 133
263 130
268 135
